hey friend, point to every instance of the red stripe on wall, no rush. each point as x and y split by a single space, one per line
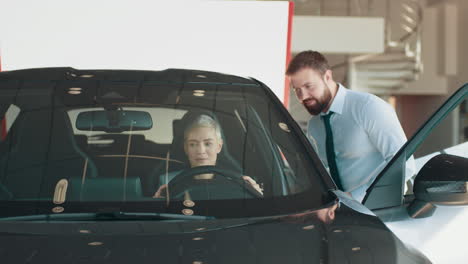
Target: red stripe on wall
288 52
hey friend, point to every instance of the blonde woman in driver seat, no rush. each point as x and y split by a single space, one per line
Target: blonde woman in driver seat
202 144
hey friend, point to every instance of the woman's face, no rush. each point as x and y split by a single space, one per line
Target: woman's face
202 146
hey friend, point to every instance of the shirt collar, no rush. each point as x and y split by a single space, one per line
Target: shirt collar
338 101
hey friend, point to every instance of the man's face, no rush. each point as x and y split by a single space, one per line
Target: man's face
312 90
202 146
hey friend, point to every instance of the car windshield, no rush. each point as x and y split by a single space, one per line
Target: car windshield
174 141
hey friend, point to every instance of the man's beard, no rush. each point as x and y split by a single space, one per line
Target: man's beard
321 104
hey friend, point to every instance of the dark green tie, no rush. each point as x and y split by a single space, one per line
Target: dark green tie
331 151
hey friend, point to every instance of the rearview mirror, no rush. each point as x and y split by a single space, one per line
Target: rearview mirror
115 121
442 181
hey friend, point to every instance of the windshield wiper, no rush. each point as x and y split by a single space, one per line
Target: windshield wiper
107 216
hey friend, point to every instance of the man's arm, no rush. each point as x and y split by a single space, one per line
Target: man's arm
384 129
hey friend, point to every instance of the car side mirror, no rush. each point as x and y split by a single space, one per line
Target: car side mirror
443 180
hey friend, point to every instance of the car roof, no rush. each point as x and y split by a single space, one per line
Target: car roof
35 86
169 75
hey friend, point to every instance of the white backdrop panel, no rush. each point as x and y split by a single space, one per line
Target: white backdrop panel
243 38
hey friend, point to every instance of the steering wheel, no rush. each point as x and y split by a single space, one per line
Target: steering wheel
185 181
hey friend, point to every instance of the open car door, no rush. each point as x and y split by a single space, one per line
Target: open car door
388 188
422 212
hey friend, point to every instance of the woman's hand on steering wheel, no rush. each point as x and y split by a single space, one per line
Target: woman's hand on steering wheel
252 182
160 193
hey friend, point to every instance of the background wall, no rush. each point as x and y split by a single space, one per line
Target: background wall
445 58
445 69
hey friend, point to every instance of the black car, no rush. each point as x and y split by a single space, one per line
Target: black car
120 166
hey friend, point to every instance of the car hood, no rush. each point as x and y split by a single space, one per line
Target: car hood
347 237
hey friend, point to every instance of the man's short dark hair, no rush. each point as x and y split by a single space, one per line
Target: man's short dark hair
308 59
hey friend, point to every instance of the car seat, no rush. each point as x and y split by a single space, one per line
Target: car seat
38 151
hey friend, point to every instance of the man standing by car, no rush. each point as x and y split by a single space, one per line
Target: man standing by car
356 133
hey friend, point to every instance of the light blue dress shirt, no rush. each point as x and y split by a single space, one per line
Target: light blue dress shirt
366 134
